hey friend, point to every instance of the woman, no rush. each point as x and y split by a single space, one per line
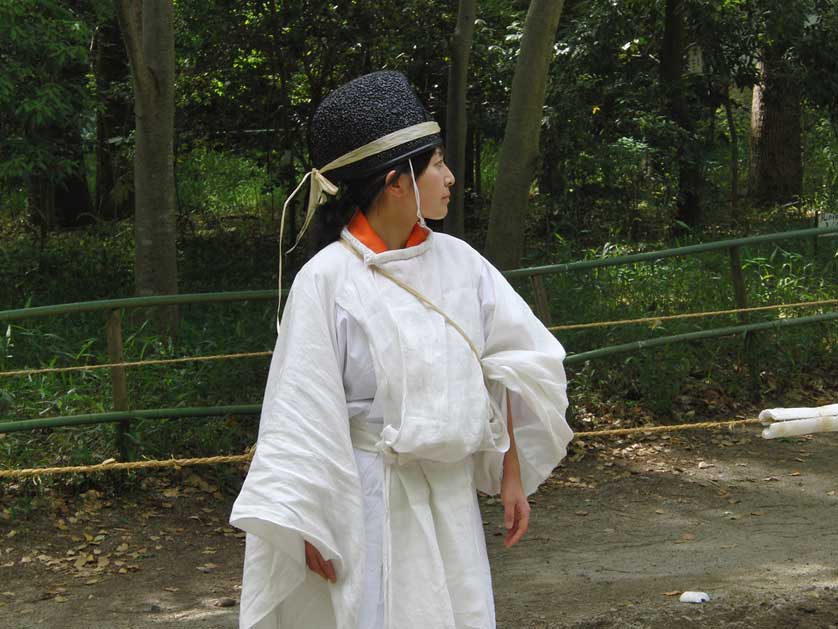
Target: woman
407 375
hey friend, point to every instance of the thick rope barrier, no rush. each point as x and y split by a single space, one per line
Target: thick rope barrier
615 432
555 328
109 466
124 465
689 315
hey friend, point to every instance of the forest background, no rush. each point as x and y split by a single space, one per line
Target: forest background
664 123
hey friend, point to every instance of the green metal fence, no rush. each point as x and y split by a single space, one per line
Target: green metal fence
122 414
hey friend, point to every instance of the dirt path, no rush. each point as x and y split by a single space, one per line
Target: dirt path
753 523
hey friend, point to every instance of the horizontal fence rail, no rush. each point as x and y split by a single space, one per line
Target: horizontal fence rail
118 416
670 253
255 409
138 302
697 336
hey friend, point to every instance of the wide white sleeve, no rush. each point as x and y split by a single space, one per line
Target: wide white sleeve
523 360
303 481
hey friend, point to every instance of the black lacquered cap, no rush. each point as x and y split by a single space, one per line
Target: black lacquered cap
364 110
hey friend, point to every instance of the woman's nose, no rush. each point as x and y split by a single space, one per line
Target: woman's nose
449 180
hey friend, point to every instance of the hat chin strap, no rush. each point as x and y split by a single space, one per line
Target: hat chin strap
419 216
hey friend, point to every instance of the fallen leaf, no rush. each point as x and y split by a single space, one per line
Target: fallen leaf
582 513
673 593
758 513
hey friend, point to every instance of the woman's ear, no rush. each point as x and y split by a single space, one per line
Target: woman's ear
395 183
391 178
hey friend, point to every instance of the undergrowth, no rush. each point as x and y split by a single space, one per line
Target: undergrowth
710 377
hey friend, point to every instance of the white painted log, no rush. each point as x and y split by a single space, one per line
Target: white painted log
786 414
796 427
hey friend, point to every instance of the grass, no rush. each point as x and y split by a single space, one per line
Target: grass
97 263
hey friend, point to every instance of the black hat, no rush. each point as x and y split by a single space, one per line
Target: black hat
364 110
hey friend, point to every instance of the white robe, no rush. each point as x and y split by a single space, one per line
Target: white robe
442 437
359 383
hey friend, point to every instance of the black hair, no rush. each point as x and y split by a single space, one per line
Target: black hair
359 193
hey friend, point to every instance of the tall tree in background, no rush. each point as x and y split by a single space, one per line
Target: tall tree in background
776 174
43 62
148 30
456 123
519 152
673 49
113 120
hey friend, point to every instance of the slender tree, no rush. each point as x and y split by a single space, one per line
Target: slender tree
148 30
519 151
776 169
673 48
113 119
456 123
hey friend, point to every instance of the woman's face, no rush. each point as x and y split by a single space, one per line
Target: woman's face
435 187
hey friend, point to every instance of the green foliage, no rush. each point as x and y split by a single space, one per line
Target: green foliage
43 58
215 183
656 378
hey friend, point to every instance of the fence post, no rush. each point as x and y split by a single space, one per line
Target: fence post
740 297
815 239
542 302
118 383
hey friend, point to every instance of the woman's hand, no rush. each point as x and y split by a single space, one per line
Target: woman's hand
516 508
316 563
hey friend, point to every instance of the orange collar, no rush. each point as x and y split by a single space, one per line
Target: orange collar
360 227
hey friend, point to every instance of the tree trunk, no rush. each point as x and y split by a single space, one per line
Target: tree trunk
112 121
776 174
73 206
519 151
478 164
148 30
675 94
456 123
63 202
41 203
734 153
